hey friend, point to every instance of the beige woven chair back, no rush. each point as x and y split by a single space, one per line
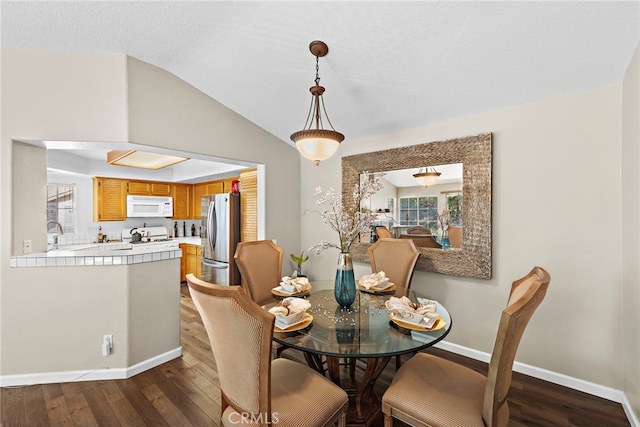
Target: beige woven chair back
396 257
526 295
422 241
455 236
260 265
418 229
382 231
240 333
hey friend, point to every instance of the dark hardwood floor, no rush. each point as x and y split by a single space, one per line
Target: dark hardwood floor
185 392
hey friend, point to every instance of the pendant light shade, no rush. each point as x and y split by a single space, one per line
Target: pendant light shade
317 144
428 177
314 142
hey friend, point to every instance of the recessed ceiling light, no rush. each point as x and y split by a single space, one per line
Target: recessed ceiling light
142 159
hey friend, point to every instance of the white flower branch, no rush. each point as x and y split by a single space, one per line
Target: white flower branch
349 224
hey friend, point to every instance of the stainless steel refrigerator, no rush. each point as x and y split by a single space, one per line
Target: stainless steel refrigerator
220 235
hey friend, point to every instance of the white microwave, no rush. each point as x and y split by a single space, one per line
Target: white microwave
149 207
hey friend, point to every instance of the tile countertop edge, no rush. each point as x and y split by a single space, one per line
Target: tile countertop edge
193 240
91 258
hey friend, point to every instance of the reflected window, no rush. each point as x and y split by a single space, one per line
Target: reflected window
61 208
454 205
419 211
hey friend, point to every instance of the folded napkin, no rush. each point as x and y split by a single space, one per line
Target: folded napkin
296 284
289 306
376 280
404 305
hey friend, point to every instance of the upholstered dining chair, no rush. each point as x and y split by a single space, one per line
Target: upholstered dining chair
260 265
423 240
396 257
382 231
256 391
431 391
418 229
455 236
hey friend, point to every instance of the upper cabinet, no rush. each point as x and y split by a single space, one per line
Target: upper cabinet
181 201
109 199
110 196
148 188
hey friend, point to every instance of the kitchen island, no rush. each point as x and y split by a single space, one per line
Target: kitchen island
65 301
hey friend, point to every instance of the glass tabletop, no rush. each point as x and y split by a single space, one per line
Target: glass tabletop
363 330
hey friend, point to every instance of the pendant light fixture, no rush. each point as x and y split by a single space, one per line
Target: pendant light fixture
314 142
428 177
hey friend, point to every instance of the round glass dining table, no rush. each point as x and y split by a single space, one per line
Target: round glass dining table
362 331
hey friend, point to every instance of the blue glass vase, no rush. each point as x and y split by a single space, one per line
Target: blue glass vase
345 286
444 240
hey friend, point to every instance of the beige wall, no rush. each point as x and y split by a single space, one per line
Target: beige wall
631 231
61 96
556 204
164 111
91 97
55 317
30 178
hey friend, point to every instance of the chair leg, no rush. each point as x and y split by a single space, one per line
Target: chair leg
342 421
388 420
398 362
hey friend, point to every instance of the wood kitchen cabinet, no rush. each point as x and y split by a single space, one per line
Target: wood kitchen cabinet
211 187
193 263
197 191
249 205
138 188
110 196
161 189
149 188
181 194
227 184
109 199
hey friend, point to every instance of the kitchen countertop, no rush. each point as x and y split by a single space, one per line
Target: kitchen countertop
114 253
190 240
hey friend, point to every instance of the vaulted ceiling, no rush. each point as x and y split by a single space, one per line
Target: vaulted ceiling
391 65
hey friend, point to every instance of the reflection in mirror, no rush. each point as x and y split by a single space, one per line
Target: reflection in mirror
417 205
411 211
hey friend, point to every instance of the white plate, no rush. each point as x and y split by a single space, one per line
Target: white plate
374 290
301 324
425 321
282 293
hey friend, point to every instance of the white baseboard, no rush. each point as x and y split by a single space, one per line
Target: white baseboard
91 375
553 377
633 419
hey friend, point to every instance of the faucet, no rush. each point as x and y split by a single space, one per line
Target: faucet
58 225
55 235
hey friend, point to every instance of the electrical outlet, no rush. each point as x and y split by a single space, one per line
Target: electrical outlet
26 246
107 345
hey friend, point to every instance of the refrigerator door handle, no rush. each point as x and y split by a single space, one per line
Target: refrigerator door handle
215 264
212 232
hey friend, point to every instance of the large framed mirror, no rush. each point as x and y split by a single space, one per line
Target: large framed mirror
473 257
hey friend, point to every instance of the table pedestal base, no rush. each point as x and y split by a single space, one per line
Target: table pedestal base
364 405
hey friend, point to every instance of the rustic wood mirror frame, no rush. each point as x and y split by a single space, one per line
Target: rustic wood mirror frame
474 152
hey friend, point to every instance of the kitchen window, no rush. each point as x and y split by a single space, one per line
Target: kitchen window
61 208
